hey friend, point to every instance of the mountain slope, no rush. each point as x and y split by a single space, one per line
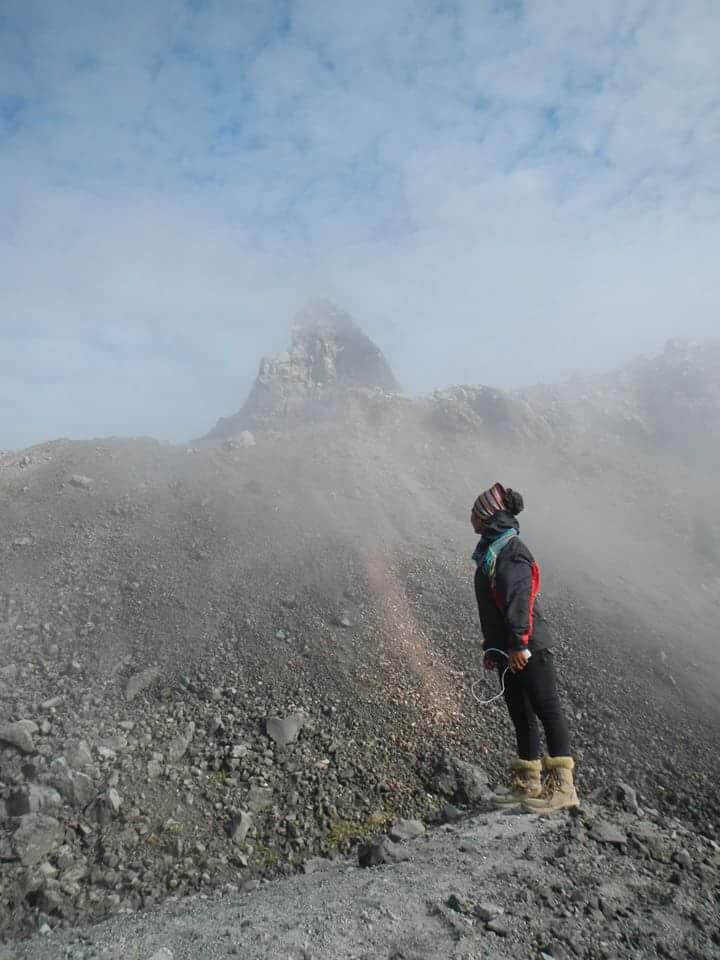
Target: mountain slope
160 604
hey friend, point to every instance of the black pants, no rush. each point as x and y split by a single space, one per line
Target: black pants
530 696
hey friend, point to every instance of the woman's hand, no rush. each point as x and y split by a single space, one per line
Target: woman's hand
518 661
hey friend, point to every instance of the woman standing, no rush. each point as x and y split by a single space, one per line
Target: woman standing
507 584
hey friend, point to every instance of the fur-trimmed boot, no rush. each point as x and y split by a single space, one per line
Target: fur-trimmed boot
558 792
525 783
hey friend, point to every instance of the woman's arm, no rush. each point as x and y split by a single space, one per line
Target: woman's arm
519 582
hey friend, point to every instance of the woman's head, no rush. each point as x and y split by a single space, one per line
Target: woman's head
491 502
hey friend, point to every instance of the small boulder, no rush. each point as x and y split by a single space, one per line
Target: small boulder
139 682
80 481
407 830
259 799
487 911
451 814
500 926
239 826
9 672
154 769
77 788
36 837
683 859
603 832
459 904
381 852
19 735
472 782
285 730
461 782
178 747
315 865
106 807
626 796
31 798
77 755
49 705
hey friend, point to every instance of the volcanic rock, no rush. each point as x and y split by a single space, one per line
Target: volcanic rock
19 735
35 837
328 353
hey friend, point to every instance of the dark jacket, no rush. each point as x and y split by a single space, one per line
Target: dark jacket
510 615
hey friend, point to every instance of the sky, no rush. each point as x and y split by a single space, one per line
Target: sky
499 191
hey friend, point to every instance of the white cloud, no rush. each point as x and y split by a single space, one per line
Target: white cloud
538 182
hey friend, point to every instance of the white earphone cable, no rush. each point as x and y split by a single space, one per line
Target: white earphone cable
485 703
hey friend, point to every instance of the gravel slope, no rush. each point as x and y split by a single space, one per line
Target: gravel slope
602 884
221 660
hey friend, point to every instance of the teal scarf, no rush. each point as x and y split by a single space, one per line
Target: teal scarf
487 558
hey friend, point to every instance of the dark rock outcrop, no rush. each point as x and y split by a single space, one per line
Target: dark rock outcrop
328 354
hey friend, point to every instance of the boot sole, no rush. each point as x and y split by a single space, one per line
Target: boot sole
546 811
508 804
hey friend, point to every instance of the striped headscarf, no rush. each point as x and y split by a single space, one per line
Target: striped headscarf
490 502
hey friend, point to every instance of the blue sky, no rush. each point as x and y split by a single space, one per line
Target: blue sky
500 192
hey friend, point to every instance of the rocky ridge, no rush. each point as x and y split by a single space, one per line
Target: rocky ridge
328 354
